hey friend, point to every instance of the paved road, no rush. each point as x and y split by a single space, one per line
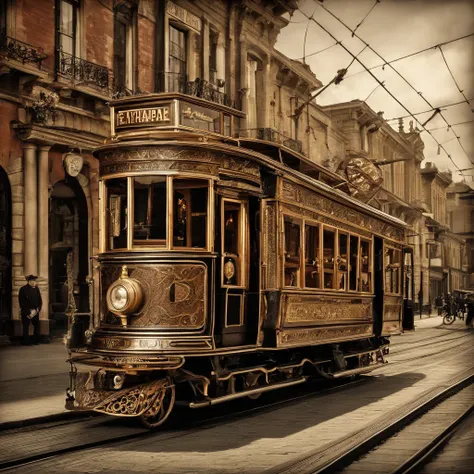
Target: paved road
260 442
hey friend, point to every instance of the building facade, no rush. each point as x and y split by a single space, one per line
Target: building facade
62 61
460 198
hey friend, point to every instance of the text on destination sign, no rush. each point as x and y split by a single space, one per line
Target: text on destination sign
137 116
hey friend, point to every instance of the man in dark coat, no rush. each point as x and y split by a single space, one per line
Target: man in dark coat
30 306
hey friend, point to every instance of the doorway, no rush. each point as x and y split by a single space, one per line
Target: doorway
5 253
69 253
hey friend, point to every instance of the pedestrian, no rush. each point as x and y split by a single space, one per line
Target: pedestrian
470 313
30 306
449 304
439 301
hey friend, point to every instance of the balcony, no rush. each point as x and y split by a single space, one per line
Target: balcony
83 72
271 135
20 51
177 82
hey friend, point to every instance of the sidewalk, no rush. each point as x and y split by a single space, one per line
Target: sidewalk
33 382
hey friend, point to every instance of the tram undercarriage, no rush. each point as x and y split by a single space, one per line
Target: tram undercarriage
135 387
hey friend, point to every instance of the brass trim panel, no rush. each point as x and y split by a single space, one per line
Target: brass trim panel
322 335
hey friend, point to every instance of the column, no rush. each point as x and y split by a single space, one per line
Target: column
31 210
43 237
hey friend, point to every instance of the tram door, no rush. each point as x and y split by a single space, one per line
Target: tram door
237 277
408 289
378 286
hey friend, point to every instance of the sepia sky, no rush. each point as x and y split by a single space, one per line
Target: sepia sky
396 28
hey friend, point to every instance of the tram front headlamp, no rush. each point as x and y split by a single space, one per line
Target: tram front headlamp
118 297
124 296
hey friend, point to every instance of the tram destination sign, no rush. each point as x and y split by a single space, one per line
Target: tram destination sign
150 115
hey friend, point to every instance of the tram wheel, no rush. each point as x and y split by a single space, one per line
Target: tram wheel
161 408
449 319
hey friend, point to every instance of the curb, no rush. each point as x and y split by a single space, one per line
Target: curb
67 415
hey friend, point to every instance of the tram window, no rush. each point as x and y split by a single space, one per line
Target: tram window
365 266
231 232
292 252
116 213
392 270
312 264
342 261
149 210
328 257
353 260
190 198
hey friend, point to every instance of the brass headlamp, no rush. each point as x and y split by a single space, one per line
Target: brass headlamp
124 296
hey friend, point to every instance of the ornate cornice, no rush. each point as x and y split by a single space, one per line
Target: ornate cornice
51 136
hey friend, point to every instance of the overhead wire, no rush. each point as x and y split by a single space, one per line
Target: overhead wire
397 72
452 125
306 35
415 53
363 19
382 85
452 75
317 52
430 110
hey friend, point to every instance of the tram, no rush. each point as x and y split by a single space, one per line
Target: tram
228 266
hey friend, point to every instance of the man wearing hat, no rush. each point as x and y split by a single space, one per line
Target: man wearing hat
30 306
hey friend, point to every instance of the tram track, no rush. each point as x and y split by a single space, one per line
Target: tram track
337 456
176 427
179 427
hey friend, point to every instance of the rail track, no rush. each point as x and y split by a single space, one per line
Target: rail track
95 431
372 448
83 434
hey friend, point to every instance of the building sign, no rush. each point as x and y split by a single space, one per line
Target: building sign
149 115
184 16
196 115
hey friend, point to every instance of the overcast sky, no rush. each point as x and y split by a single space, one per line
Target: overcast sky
396 28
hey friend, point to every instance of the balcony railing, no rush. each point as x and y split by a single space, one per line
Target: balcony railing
84 72
19 51
177 82
271 135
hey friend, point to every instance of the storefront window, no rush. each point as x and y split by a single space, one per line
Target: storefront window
312 264
292 252
328 257
190 197
116 213
150 211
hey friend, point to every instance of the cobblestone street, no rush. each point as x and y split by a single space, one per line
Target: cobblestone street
420 361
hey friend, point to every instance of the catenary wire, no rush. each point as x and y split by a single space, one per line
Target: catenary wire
317 52
452 75
431 110
390 93
415 53
398 73
452 125
365 17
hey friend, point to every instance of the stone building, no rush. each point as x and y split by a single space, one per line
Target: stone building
62 61
399 154
460 198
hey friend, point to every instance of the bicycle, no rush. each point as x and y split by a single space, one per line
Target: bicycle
450 317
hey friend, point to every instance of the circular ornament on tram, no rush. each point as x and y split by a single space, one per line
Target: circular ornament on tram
124 296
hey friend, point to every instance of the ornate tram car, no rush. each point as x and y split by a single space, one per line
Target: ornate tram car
228 267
